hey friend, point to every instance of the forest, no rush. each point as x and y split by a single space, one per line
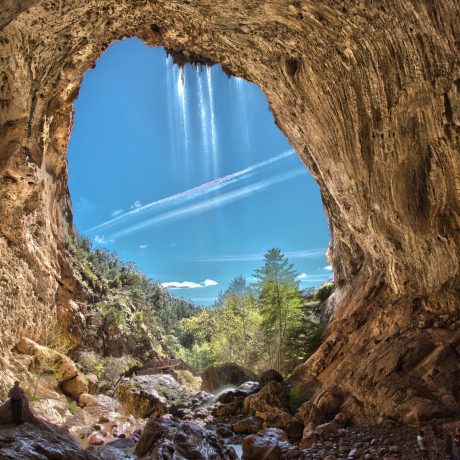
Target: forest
270 323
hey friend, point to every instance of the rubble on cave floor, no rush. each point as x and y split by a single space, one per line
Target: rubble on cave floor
253 421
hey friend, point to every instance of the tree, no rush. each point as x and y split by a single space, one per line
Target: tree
279 301
238 286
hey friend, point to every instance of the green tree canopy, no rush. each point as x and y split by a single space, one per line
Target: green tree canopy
279 301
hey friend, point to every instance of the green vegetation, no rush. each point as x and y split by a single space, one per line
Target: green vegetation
324 292
72 407
127 298
269 324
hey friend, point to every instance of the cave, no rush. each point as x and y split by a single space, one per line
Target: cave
368 94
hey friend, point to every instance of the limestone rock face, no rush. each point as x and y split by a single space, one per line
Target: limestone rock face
368 93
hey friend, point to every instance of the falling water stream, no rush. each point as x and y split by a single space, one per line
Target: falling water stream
181 83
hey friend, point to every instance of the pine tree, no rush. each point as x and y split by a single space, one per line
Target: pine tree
279 301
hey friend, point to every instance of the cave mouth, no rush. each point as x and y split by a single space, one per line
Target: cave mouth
367 96
173 166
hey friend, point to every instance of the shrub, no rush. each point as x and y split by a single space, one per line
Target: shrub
72 407
324 292
115 367
112 313
138 317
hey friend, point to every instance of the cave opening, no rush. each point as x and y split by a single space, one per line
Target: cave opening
360 93
182 170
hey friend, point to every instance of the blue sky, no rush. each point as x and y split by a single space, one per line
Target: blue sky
184 172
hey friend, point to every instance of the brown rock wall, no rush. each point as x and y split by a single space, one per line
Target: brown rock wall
368 93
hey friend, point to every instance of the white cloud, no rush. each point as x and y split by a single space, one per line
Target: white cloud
117 212
136 205
101 239
181 285
328 267
301 276
209 282
143 246
189 284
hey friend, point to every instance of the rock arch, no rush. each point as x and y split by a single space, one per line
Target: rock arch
368 93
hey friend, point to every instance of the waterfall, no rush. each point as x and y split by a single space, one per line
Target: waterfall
184 108
242 114
191 105
172 119
215 152
203 108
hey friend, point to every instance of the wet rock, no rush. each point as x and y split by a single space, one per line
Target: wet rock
39 441
249 425
224 430
229 396
277 418
120 449
149 395
224 410
270 375
215 377
256 446
95 439
271 404
249 388
169 438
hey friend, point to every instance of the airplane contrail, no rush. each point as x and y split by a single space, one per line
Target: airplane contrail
193 193
211 203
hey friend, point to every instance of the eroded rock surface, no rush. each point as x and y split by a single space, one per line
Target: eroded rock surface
169 438
147 396
38 442
368 93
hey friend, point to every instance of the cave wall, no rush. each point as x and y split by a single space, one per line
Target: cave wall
367 92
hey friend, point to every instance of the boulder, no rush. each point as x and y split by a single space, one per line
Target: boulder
39 441
230 396
66 369
270 375
271 443
249 388
150 395
249 425
309 413
166 437
309 439
224 410
325 430
75 386
271 404
218 376
273 394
